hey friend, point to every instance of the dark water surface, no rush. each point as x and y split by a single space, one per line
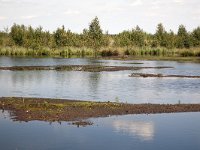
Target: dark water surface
147 132
101 86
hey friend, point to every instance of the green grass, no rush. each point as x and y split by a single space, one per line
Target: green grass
193 52
51 105
103 52
62 52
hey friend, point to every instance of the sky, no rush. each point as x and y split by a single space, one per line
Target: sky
114 15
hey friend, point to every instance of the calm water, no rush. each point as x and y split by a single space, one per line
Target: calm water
101 86
147 132
178 131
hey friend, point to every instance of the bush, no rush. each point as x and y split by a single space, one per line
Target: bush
187 53
108 53
127 52
115 53
198 54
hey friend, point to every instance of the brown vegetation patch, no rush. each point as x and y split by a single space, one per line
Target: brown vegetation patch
28 109
82 123
144 75
87 68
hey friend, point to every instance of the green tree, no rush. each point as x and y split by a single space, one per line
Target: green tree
170 39
95 34
29 40
196 36
138 37
123 39
71 39
59 37
18 34
161 35
183 38
5 39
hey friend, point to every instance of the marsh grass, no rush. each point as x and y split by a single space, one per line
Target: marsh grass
104 52
62 52
162 52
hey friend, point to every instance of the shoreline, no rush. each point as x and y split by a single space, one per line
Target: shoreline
51 110
193 59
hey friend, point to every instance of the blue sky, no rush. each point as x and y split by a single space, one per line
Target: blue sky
115 15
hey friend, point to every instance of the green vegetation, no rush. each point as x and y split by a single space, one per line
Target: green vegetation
50 105
20 40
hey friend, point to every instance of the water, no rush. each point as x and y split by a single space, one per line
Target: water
101 86
147 132
179 131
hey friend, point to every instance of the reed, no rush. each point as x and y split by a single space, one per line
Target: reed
104 52
62 52
193 52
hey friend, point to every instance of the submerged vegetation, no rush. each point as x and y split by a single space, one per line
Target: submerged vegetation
21 40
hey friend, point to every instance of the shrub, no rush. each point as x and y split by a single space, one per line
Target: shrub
127 52
187 53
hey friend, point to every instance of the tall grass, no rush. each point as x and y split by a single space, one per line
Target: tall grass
104 52
62 52
162 52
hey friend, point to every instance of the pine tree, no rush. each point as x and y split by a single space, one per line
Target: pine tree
196 36
183 38
95 34
161 35
59 37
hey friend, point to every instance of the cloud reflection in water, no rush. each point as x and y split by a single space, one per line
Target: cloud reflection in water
141 129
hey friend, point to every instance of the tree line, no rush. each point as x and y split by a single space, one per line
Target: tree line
94 37
162 38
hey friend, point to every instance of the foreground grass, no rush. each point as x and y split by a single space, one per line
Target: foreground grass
28 109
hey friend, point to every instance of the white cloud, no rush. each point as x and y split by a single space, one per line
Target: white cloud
2 18
137 3
71 12
5 1
178 1
196 15
19 2
28 17
110 8
115 15
151 14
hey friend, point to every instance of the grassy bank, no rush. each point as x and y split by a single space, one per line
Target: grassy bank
28 109
103 52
